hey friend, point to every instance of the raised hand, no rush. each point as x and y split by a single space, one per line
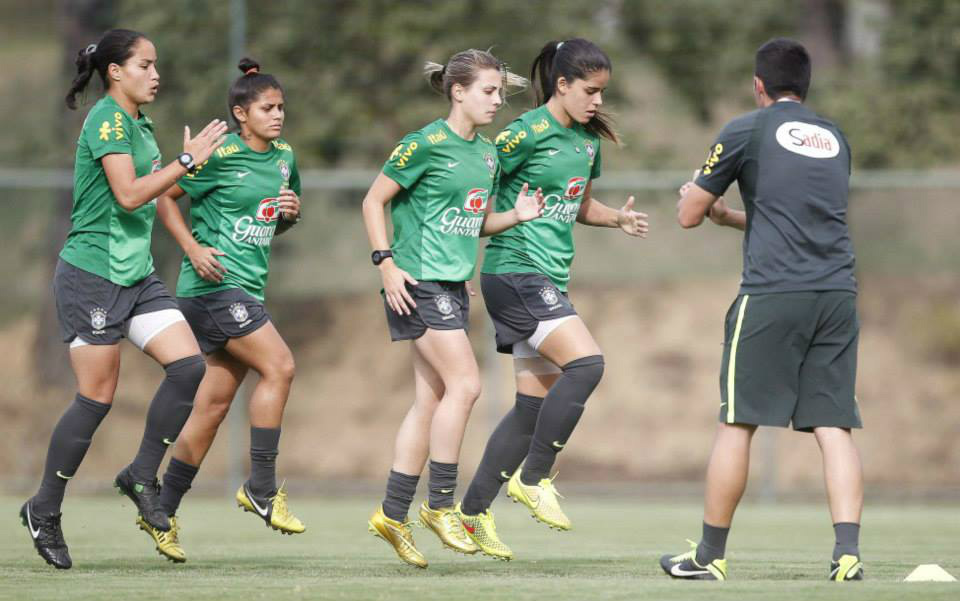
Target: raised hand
633 222
203 144
529 206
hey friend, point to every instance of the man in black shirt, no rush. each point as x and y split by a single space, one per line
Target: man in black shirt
790 349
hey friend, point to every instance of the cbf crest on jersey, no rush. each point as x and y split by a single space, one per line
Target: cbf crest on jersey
239 312
284 169
444 304
488 159
588 146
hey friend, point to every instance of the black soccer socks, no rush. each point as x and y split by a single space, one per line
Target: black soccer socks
562 408
264 445
847 539
68 444
713 544
505 451
176 482
400 491
168 412
443 481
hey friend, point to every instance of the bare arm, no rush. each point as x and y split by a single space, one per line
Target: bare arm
593 212
380 194
528 207
133 192
696 203
203 258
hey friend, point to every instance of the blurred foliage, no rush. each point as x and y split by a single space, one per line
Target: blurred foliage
352 69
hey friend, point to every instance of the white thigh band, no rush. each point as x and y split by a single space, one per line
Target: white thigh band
141 329
544 329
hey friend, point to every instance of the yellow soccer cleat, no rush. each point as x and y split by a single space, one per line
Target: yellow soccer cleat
541 499
483 532
168 543
446 525
847 568
272 510
397 536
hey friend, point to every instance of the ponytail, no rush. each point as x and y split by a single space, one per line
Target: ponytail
572 59
115 47
462 68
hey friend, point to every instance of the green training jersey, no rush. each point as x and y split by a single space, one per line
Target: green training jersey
437 217
234 208
106 239
537 150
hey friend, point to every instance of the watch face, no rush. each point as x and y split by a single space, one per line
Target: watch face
376 257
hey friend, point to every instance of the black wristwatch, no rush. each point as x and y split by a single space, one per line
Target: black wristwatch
379 255
186 160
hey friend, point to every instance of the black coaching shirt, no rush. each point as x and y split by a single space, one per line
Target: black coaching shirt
793 169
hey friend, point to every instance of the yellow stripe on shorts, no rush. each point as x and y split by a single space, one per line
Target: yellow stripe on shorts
732 362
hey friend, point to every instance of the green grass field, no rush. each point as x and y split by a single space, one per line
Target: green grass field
774 552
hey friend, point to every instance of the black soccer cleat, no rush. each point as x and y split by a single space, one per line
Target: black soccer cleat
47 537
685 567
845 569
146 496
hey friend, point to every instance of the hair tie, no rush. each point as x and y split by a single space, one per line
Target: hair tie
252 70
443 70
90 49
558 45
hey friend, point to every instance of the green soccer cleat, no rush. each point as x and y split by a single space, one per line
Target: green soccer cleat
685 566
483 532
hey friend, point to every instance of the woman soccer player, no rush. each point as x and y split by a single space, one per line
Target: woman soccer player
245 194
439 181
106 288
525 272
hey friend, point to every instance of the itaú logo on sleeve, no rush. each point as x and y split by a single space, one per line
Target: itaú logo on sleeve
808 139
575 188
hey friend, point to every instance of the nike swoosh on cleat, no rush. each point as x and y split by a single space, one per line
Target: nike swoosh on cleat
676 570
505 475
33 533
61 475
169 442
446 491
262 512
468 527
557 444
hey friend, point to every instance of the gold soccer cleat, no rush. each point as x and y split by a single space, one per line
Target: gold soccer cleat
397 536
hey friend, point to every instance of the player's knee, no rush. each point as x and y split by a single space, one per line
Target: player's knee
588 370
465 391
281 369
187 371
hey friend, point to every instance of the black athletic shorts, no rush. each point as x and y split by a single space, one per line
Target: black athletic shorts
518 302
96 309
219 316
791 357
440 306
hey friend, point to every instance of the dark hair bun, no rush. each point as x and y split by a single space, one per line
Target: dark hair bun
246 65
